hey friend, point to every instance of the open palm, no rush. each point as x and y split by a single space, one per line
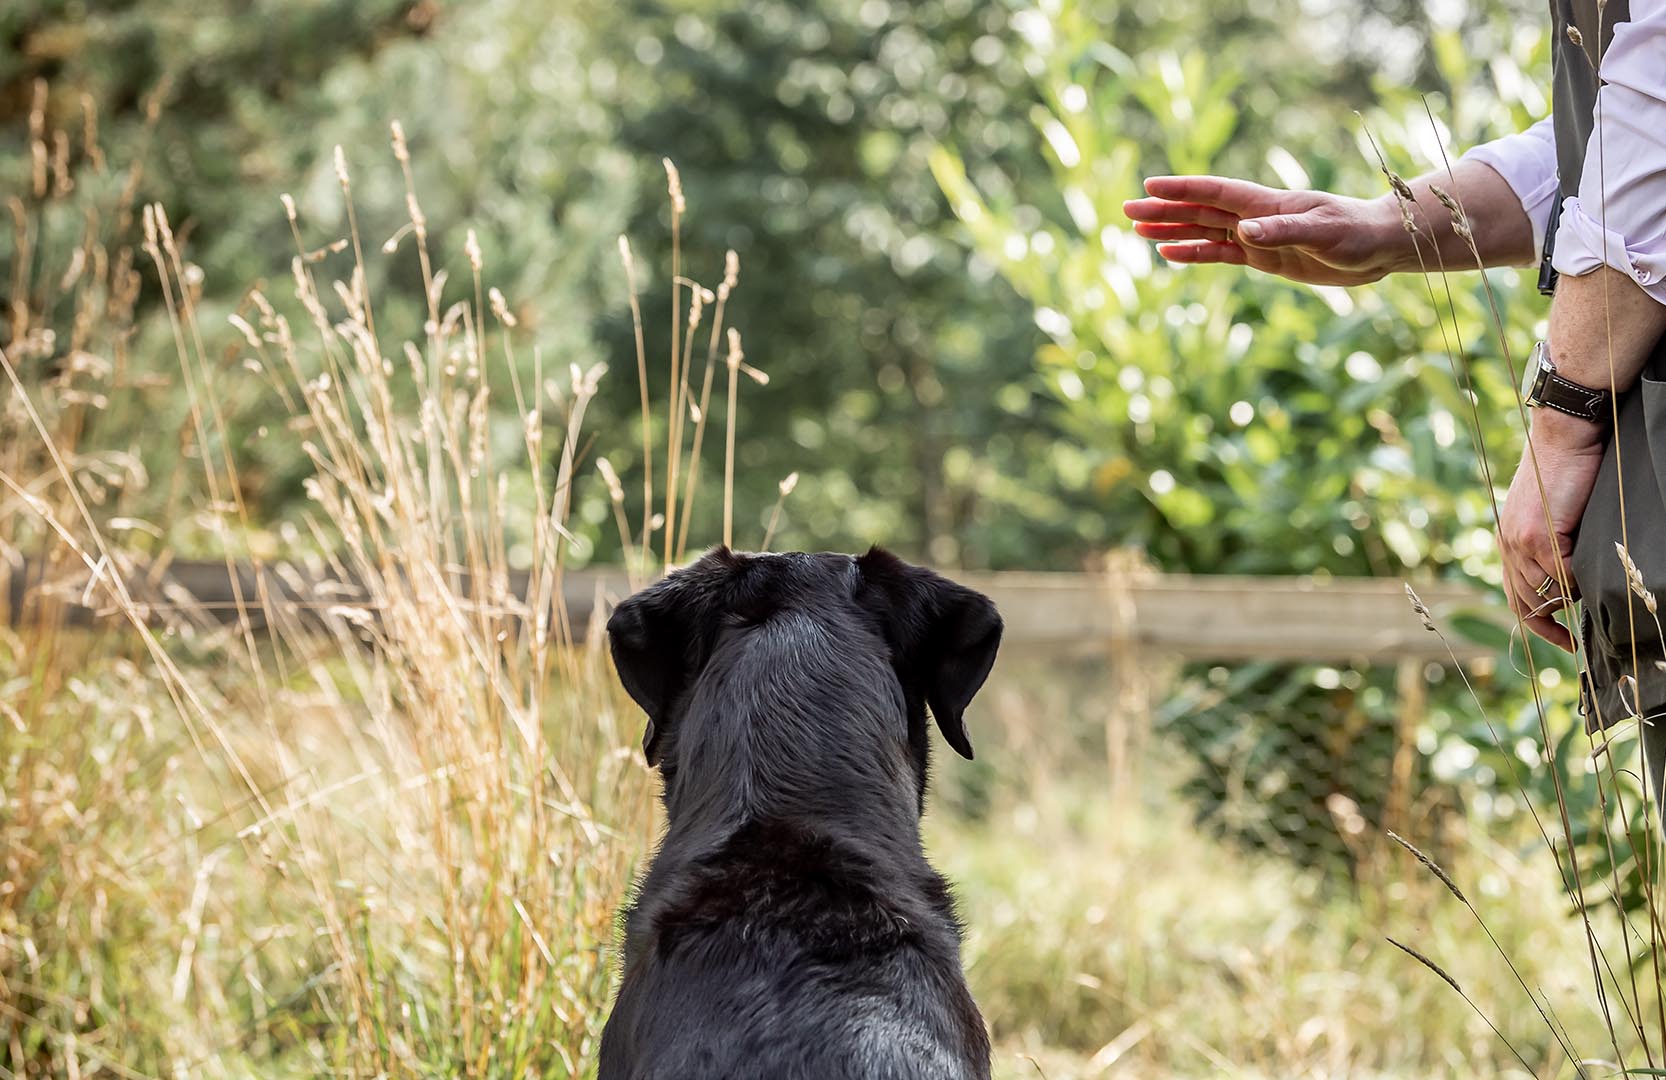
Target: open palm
1309 236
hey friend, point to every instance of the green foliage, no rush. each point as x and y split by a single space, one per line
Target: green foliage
900 383
213 110
1234 422
925 198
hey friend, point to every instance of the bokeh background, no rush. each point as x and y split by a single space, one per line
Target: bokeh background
970 359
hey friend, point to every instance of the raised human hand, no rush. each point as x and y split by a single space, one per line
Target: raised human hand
1308 236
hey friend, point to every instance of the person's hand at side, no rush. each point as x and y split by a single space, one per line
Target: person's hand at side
1536 534
1603 327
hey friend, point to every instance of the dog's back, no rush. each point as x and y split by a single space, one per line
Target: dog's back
790 927
791 956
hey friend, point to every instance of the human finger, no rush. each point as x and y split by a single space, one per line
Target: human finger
1552 631
1179 213
1167 231
1537 613
1203 251
1221 191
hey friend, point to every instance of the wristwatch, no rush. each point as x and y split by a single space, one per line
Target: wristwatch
1542 386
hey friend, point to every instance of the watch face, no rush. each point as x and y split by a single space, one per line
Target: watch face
1533 379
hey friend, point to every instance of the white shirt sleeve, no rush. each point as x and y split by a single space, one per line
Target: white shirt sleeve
1527 162
1618 218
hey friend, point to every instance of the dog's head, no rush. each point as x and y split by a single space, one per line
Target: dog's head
850 621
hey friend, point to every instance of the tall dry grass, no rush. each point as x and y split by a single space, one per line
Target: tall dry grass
379 830
1622 954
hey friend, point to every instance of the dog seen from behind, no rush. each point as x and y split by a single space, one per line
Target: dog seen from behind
789 926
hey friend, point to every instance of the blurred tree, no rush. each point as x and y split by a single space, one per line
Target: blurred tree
803 131
239 89
250 102
901 377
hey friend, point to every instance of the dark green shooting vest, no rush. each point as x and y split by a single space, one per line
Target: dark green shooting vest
1620 637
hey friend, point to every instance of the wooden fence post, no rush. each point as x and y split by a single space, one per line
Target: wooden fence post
1128 710
1412 695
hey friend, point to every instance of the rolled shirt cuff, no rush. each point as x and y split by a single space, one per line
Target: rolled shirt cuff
1527 162
1583 245
1618 217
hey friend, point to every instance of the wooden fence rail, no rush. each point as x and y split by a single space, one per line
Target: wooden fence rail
1187 617
1138 622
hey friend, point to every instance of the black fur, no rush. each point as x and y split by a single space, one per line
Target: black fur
790 928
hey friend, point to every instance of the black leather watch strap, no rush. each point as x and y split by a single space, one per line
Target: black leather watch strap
1547 388
1565 395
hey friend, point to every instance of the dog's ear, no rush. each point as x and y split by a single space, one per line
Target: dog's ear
943 637
659 639
650 643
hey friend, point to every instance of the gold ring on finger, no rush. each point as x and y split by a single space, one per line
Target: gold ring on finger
1543 591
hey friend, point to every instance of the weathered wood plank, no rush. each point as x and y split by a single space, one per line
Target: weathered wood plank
1234 618
1199 618
208 590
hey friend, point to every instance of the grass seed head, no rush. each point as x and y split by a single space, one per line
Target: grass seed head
500 307
1402 189
1426 962
1430 864
1422 610
674 186
1634 579
419 222
615 489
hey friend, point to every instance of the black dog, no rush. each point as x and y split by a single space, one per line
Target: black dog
790 927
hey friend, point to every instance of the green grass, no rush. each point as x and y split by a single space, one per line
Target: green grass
146 927
1115 939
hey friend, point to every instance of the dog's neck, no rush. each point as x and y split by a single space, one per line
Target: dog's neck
784 726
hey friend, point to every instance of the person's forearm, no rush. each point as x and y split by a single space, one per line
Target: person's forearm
1603 327
1502 232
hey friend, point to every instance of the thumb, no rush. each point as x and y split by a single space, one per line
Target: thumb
1285 230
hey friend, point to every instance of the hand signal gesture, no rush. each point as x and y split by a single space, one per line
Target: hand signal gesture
1307 236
